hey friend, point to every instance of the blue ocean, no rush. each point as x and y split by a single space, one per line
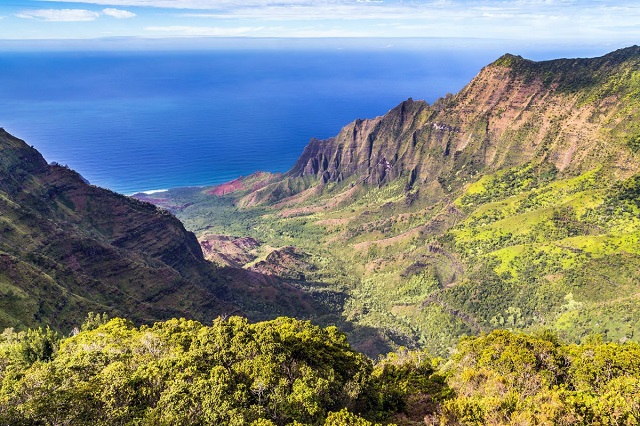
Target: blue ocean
137 121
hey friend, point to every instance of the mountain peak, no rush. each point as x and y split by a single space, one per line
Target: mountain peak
18 158
571 75
624 53
508 60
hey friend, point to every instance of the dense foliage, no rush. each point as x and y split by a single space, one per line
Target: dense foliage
290 372
179 371
506 378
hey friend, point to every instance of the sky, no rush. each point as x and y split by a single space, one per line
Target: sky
534 21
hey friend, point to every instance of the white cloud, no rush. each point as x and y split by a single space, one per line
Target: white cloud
72 15
174 4
209 4
204 31
229 4
257 31
118 13
60 15
511 19
354 11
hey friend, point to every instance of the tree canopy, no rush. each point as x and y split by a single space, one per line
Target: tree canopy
290 372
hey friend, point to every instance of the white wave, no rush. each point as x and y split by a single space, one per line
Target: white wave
153 191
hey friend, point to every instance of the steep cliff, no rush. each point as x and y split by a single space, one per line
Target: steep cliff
567 113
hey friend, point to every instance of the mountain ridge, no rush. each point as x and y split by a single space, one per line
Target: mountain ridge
67 248
384 148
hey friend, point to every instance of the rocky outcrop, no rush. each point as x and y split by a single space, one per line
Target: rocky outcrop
286 262
372 150
229 251
253 182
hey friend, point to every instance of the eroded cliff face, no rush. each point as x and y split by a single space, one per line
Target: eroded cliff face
373 150
229 251
565 113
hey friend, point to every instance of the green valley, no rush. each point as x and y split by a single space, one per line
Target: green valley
512 204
